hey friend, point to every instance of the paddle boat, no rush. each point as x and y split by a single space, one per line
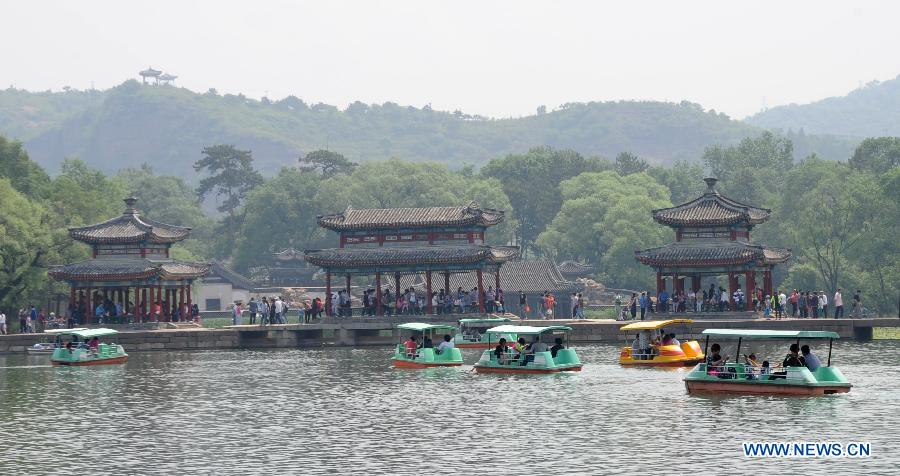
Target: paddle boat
744 378
472 333
527 361
81 351
662 354
419 357
48 346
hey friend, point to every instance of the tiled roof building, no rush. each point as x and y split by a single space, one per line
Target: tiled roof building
712 237
130 266
394 242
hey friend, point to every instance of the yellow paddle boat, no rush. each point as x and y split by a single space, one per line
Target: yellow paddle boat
660 349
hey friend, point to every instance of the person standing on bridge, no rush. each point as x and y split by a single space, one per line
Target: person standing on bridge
838 304
236 314
253 307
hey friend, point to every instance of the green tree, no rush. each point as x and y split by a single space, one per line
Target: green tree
628 163
830 219
683 179
281 213
396 183
606 217
753 170
328 162
877 155
531 182
24 174
230 177
26 246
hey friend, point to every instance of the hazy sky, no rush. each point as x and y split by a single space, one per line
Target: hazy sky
492 58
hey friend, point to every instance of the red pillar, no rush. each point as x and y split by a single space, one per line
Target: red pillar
90 306
348 284
428 292
660 283
767 282
497 280
71 300
183 316
695 283
159 293
378 310
677 283
732 287
447 282
396 285
328 293
749 279
480 292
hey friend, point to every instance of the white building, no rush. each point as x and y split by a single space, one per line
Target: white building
223 287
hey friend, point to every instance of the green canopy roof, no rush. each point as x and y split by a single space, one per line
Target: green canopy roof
526 330
494 320
87 333
422 327
761 334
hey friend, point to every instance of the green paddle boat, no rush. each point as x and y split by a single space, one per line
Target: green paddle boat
538 357
422 349
750 377
85 348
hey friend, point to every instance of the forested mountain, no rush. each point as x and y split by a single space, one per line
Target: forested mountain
168 127
872 110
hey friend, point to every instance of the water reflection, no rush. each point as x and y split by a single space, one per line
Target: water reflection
348 411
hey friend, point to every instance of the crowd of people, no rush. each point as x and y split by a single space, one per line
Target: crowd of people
803 304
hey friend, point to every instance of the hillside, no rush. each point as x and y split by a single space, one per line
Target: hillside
132 124
873 110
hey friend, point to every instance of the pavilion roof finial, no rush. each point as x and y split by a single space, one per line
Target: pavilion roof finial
711 184
130 201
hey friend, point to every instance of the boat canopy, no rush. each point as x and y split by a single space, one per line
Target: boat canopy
651 325
422 326
64 331
526 330
761 334
475 322
87 333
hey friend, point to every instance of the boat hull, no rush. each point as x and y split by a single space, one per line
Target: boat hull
523 370
756 388
84 363
659 363
407 364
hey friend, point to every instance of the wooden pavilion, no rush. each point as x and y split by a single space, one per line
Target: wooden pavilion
131 266
398 241
712 238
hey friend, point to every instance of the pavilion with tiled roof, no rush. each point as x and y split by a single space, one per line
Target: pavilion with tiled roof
408 241
130 265
712 237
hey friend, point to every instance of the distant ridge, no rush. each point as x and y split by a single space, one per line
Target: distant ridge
168 126
872 110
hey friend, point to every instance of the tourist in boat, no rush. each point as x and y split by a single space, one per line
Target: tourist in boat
70 347
714 360
753 367
411 346
501 353
557 346
94 345
811 360
446 344
427 343
644 344
793 359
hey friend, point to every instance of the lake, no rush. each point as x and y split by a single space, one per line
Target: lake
341 410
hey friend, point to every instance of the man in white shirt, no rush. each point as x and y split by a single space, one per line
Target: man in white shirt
446 344
838 304
823 303
2 324
279 310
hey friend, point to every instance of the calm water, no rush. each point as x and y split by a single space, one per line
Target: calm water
348 411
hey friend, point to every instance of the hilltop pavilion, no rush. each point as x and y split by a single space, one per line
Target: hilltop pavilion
130 265
712 238
398 241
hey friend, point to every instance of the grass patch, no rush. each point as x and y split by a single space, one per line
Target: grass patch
886 333
606 313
